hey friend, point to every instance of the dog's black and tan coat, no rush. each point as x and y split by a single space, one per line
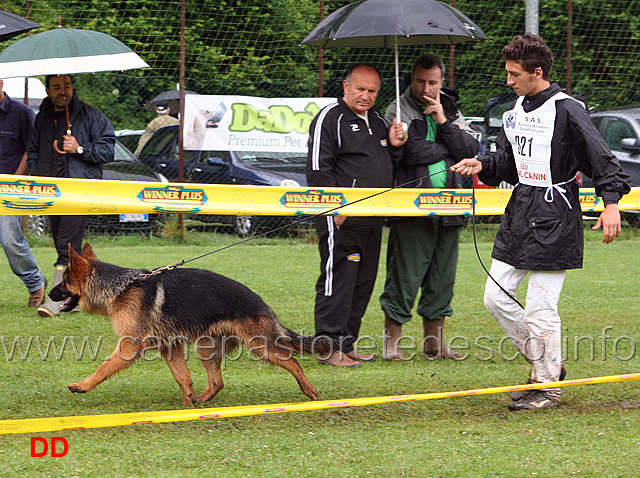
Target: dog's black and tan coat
178 306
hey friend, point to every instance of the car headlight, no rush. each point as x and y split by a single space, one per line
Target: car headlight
289 183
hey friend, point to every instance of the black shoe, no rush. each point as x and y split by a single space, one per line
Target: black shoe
536 399
563 373
520 394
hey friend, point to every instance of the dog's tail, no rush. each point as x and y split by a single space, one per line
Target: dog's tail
306 345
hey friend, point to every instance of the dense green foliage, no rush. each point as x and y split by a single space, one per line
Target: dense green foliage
246 47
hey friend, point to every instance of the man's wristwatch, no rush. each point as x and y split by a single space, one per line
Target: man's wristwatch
79 150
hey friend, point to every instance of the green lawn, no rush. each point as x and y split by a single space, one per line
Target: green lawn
596 431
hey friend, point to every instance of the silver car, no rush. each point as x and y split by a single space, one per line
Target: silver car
620 128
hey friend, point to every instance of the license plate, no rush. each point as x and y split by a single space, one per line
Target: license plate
134 217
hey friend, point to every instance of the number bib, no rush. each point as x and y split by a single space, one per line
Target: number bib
530 135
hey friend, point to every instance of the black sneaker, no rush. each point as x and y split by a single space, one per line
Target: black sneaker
520 394
536 399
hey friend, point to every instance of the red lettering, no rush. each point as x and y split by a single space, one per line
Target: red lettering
45 446
54 452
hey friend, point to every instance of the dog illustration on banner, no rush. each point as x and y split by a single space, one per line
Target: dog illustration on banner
197 129
167 309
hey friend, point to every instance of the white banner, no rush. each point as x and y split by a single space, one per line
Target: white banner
248 123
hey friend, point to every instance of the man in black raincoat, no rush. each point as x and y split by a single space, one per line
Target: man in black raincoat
546 138
79 155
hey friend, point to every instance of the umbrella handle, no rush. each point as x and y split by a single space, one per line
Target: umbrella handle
56 149
55 143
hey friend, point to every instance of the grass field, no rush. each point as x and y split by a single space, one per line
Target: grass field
595 432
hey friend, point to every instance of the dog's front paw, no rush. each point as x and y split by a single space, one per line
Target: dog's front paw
190 401
75 388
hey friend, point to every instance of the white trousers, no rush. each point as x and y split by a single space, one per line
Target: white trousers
536 330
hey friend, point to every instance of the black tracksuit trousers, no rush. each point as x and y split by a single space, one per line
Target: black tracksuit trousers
349 257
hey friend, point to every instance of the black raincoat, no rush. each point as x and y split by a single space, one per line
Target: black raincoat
92 129
452 144
539 234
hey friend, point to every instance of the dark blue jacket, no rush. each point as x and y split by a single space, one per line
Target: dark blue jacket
92 129
16 123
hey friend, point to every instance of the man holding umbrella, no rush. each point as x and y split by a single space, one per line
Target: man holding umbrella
349 147
55 151
164 118
423 251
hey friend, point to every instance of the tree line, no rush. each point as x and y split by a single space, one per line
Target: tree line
246 47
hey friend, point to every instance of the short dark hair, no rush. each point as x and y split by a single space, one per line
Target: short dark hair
427 62
358 65
531 52
47 80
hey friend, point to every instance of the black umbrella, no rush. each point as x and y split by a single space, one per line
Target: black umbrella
12 25
171 97
389 24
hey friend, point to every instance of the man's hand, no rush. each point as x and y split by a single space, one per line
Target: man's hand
467 167
397 136
22 167
70 144
339 220
609 220
435 109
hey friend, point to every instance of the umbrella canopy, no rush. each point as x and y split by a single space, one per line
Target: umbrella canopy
67 51
170 97
12 25
381 23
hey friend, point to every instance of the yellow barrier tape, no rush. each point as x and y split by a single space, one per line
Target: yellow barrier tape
39 425
24 195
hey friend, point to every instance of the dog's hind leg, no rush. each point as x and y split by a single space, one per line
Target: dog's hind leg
211 357
173 354
126 352
275 356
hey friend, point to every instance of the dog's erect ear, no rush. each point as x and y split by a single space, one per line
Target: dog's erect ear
78 265
74 257
87 252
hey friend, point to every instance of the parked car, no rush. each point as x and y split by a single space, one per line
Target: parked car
129 138
620 128
491 126
125 167
493 120
226 167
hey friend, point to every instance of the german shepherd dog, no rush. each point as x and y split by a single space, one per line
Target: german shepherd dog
165 310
